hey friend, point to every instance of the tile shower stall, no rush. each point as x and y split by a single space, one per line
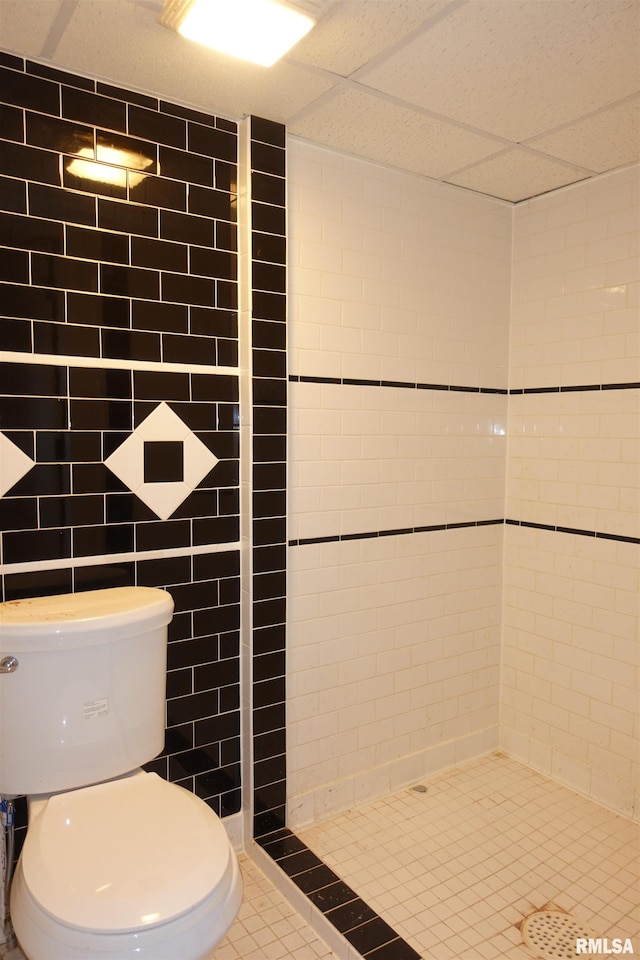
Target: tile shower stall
378 437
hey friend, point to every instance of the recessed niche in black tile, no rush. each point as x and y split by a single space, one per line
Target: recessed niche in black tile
186 228
129 281
17 231
130 345
94 109
266 246
61 339
63 272
268 189
100 540
212 142
128 218
13 195
36 545
32 92
11 123
29 163
158 192
61 205
180 165
158 127
61 135
160 254
163 461
212 203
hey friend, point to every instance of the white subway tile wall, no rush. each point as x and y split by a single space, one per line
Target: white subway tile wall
402 286
402 293
571 655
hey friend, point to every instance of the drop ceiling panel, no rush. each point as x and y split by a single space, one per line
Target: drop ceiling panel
356 122
353 32
517 175
124 42
24 25
518 68
449 89
602 142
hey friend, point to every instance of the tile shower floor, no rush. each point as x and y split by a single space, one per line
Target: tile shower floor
456 868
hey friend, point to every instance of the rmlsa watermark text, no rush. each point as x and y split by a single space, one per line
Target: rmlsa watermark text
602 945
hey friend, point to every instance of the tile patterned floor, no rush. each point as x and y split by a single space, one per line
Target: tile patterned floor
267 928
454 870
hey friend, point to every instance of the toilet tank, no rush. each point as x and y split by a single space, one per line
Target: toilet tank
84 698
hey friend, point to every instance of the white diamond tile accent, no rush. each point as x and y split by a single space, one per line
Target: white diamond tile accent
127 462
14 464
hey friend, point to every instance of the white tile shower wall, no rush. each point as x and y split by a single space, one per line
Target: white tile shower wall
393 663
393 277
571 655
393 641
373 458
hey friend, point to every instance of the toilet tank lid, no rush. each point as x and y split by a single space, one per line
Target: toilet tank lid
124 855
68 619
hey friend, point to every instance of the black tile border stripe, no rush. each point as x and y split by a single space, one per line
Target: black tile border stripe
459 388
430 528
337 901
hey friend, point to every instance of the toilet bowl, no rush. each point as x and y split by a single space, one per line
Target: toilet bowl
132 868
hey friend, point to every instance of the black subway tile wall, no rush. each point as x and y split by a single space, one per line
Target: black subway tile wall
269 397
118 468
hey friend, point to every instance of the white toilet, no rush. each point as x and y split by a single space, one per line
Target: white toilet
117 863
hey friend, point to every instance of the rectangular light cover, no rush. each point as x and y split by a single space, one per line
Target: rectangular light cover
260 31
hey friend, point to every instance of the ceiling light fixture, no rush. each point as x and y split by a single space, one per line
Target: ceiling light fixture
260 31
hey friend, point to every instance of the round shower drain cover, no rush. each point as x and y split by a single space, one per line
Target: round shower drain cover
552 935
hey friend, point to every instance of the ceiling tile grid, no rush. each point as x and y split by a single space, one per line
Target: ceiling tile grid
510 98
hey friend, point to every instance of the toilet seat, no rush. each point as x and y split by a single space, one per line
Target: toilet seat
125 855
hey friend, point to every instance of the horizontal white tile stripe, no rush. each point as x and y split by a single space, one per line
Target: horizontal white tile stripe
62 564
14 356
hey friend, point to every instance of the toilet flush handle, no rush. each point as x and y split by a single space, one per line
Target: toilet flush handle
9 665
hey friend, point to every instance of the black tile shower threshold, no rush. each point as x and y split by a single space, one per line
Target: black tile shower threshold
358 923
430 528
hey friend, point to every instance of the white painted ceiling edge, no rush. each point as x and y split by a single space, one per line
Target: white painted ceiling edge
510 98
